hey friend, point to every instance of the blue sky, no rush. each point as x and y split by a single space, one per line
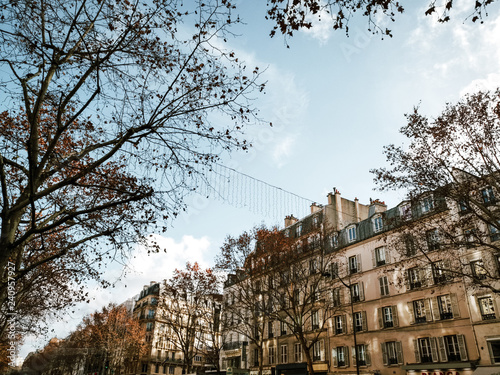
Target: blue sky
335 101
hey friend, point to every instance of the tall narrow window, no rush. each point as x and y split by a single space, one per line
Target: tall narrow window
380 258
378 224
297 352
351 233
384 286
284 353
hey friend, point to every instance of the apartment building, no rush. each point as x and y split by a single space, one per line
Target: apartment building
390 298
168 333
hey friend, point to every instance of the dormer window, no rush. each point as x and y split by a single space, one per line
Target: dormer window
334 240
378 224
487 195
405 211
351 233
427 204
316 221
298 230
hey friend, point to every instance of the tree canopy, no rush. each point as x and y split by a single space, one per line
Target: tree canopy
290 16
111 112
452 163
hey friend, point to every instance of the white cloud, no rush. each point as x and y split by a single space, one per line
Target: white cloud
283 150
322 26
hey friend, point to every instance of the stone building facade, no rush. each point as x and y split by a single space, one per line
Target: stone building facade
388 303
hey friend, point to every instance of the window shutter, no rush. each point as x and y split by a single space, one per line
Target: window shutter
334 357
426 275
395 317
358 260
462 348
454 305
442 349
374 258
387 255
399 352
435 308
365 325
344 324
416 351
320 318
434 350
353 352
346 348
367 355
428 312
380 318
384 353
322 350
410 311
361 291
341 295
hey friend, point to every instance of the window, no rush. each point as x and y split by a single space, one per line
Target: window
392 353
271 354
339 324
334 270
144 367
357 292
433 239
314 241
157 368
378 224
298 230
283 328
351 234
297 352
445 307
164 369
494 349
452 348
313 266
405 211
171 370
318 351
151 314
315 319
337 297
360 321
384 286
487 195
158 354
410 245
256 357
270 329
419 311
478 270
486 307
334 240
284 353
354 263
316 221
424 352
463 206
379 256
340 356
439 273
197 358
470 237
427 204
494 232
388 316
361 355
149 327
313 293
414 278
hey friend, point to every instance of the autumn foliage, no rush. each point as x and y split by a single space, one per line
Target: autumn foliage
116 109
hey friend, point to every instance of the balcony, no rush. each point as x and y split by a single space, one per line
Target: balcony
446 315
489 316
